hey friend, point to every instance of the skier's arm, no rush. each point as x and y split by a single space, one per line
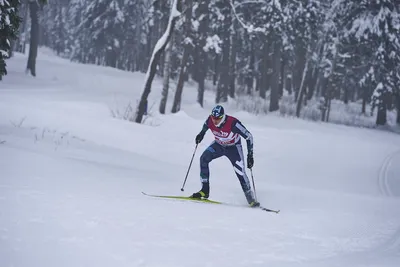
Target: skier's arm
205 128
239 128
203 131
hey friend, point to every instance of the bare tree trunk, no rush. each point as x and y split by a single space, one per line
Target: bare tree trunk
202 57
19 44
381 117
288 83
167 68
250 73
201 70
232 61
302 86
156 30
318 86
398 108
276 61
346 94
329 92
301 61
111 57
200 91
216 69
34 40
312 82
264 86
176 106
323 107
318 76
224 80
364 99
151 72
328 111
301 91
281 76
324 89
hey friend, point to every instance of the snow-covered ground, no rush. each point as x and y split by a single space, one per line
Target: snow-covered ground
71 177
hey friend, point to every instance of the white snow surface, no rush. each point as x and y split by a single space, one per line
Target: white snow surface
71 178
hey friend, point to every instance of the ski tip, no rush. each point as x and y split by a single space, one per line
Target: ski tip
274 211
269 210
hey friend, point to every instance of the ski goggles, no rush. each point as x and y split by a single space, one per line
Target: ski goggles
216 119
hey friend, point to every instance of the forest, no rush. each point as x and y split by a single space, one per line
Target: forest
287 56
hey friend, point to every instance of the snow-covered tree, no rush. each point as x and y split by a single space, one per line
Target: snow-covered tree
223 25
57 31
135 53
155 58
336 49
166 78
188 45
375 26
305 19
201 33
9 23
100 32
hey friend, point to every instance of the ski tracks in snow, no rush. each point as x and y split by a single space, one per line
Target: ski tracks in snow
393 244
384 253
383 177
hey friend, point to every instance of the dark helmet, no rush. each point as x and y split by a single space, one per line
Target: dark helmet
218 112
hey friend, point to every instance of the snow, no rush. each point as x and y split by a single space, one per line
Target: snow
3 53
378 90
120 16
248 27
188 41
116 43
277 5
72 175
196 24
7 20
368 23
213 43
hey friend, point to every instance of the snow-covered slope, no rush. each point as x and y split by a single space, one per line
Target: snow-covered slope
71 177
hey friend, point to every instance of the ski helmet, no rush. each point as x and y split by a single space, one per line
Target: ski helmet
218 112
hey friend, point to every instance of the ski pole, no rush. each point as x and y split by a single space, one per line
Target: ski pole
189 168
254 186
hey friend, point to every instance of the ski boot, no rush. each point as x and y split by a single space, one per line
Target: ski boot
251 200
203 193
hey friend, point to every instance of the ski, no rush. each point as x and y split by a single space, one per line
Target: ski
269 210
184 198
208 201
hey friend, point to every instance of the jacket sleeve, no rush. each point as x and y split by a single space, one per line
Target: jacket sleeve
239 128
205 127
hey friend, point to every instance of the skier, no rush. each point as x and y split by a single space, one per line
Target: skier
227 131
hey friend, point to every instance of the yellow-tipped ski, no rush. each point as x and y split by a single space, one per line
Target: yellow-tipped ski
185 198
209 201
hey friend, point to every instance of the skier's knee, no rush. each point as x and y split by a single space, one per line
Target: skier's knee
206 157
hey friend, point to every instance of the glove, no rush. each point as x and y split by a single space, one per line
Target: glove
250 160
199 137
